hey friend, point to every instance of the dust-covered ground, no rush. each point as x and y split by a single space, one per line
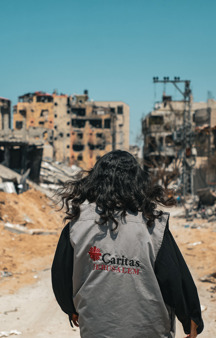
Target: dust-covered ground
27 303
23 254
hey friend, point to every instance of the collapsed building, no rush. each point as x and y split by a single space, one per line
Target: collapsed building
16 152
163 131
73 129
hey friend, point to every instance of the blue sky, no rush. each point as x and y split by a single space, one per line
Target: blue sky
112 48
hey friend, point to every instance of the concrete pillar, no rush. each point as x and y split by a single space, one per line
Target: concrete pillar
6 121
6 156
1 119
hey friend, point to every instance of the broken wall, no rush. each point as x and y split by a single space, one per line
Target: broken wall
62 128
20 157
35 112
5 114
91 133
122 114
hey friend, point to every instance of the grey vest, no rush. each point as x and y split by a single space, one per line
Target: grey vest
115 290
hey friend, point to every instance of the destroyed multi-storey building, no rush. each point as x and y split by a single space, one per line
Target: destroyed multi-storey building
163 131
33 119
97 127
16 152
74 130
205 128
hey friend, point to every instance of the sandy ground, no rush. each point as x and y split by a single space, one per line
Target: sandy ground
34 312
22 254
27 303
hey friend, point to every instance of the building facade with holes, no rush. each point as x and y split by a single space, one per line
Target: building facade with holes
74 130
163 129
163 134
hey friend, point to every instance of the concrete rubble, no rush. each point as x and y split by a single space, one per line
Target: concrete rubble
209 278
200 206
9 333
8 187
21 182
20 229
53 174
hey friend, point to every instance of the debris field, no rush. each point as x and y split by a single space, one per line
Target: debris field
30 227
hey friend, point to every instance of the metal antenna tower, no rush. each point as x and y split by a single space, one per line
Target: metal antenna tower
187 130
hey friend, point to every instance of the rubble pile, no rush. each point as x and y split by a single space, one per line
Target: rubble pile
30 228
201 206
29 222
52 174
29 231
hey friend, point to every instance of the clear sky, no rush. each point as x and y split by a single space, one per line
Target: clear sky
112 48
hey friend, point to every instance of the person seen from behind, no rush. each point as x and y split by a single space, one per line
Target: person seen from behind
117 270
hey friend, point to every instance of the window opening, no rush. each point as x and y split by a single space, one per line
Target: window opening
107 123
153 120
78 147
100 146
169 140
22 112
19 124
79 111
80 157
44 112
78 123
91 146
96 123
120 110
45 98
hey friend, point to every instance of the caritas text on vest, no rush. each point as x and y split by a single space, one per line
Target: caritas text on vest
112 263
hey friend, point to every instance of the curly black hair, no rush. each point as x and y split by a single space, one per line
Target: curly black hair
115 183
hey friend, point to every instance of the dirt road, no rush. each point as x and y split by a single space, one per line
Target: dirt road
33 311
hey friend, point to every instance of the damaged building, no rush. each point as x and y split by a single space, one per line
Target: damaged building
97 128
20 155
16 152
73 129
33 119
204 119
5 114
163 131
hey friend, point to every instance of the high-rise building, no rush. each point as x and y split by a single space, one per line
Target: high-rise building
74 130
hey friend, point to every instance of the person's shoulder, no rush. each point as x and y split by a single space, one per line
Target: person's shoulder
87 211
164 218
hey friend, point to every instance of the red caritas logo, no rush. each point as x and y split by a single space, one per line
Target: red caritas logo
94 253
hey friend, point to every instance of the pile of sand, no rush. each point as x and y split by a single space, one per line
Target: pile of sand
22 255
